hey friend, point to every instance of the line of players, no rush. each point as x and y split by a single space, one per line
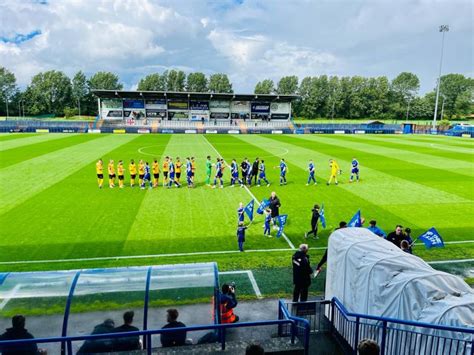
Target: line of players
172 172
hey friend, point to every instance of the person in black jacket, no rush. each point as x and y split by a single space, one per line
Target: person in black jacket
244 167
274 207
99 345
128 343
301 274
175 338
255 170
17 332
396 236
314 222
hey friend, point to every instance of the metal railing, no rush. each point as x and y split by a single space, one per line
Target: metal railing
299 328
396 336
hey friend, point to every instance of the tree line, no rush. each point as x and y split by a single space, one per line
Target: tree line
53 92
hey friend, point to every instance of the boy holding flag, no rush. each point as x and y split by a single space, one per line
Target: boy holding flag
266 226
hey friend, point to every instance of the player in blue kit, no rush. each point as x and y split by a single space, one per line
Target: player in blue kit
189 173
283 170
234 171
218 176
240 213
172 173
311 170
261 173
355 170
146 177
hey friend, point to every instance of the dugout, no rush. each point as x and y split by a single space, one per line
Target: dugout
72 303
151 106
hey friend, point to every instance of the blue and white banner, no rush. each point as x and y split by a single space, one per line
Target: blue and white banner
249 209
281 224
322 217
432 239
263 205
260 107
355 220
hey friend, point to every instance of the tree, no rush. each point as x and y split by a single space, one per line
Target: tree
464 104
8 88
49 92
104 81
196 82
406 85
453 85
220 83
152 82
79 89
175 80
288 85
264 87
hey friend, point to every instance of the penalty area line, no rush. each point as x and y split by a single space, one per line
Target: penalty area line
251 277
125 257
250 193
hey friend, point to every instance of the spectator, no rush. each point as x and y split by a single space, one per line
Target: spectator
368 347
129 343
228 302
274 207
301 274
314 222
174 338
99 345
396 236
254 349
409 239
16 332
405 247
376 230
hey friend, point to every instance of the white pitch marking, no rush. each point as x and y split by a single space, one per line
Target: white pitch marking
250 193
451 261
251 278
10 296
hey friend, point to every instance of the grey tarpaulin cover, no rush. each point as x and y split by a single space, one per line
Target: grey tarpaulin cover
370 275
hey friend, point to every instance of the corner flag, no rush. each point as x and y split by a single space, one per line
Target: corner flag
322 218
249 209
281 223
355 220
264 204
431 238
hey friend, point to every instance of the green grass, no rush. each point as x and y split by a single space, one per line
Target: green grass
387 121
51 208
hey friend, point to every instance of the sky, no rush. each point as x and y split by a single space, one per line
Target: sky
250 40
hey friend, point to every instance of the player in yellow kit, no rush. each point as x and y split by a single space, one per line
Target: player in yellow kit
334 171
156 172
166 170
120 172
111 171
132 169
177 169
141 172
99 169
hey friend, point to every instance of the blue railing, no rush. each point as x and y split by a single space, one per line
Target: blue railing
396 336
147 334
299 325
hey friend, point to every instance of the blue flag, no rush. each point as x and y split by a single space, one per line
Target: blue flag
431 238
322 218
264 204
281 224
249 209
355 220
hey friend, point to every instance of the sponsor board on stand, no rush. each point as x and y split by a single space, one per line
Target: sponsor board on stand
466 135
69 131
143 131
337 131
167 131
93 131
190 131
42 130
233 131
396 132
120 131
278 131
357 131
211 131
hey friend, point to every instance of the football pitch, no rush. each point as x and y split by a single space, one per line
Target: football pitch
53 215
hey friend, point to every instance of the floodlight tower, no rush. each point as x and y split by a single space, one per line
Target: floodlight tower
443 29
